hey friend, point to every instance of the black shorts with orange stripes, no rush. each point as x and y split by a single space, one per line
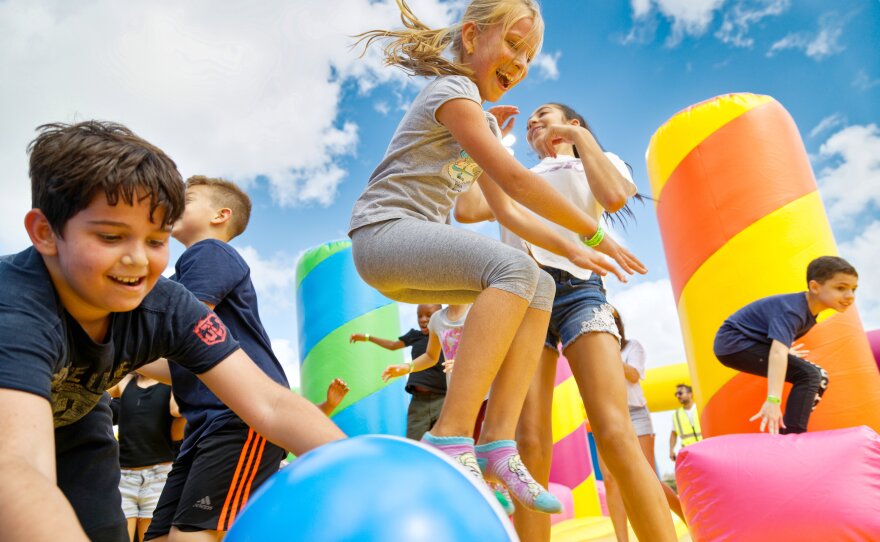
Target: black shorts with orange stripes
208 488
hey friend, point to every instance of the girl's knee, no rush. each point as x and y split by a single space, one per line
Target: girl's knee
516 273
545 291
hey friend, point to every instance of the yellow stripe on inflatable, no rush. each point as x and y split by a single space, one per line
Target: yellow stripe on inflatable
586 499
769 257
659 386
683 132
568 409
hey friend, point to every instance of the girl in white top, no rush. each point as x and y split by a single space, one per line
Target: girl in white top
581 320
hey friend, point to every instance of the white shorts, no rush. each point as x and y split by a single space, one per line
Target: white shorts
641 420
141 488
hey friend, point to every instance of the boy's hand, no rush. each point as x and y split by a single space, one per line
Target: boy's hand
393 371
336 392
357 338
504 114
771 418
799 350
447 365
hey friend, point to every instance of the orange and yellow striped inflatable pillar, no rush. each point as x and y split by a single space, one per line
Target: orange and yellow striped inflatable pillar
741 218
572 465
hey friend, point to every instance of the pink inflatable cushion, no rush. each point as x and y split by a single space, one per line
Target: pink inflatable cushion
758 487
563 493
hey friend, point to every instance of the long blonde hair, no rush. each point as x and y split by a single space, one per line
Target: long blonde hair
418 49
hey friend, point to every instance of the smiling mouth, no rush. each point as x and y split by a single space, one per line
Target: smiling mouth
504 80
128 281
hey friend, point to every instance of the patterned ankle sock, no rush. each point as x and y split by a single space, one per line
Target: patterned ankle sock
501 493
503 464
460 449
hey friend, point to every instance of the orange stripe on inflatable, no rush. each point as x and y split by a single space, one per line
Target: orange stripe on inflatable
838 345
685 130
748 168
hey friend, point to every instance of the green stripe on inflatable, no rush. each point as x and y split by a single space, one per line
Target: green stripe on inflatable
313 257
359 364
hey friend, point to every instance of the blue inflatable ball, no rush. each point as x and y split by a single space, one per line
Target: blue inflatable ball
373 488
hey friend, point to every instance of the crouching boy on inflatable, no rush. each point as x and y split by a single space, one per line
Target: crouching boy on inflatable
759 339
85 305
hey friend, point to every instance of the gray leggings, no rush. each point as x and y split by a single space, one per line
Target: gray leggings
415 261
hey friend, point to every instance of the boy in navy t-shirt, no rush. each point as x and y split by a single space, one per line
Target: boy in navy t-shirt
85 305
222 460
759 339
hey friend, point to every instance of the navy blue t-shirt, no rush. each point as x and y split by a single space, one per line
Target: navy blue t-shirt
433 378
215 273
44 351
783 318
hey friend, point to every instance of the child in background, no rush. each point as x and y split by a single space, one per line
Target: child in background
205 490
86 305
633 356
758 339
403 247
582 320
146 449
428 386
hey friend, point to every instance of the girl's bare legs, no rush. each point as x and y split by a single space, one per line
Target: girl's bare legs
595 363
647 444
614 500
485 341
534 438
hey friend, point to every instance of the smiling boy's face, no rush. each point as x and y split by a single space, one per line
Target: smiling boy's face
838 292
109 258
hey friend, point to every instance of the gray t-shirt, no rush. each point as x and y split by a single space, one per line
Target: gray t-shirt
424 168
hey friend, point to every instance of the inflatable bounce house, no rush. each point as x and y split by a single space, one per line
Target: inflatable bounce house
740 217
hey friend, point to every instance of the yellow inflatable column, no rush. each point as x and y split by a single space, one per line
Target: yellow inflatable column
741 218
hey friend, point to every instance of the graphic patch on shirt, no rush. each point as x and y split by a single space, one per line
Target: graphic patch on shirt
463 171
210 330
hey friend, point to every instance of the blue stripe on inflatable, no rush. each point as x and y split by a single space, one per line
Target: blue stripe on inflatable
331 295
382 412
594 456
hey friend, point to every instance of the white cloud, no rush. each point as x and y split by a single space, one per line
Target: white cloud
829 122
288 354
737 21
819 45
862 251
231 89
850 184
274 280
863 81
649 313
546 65
688 17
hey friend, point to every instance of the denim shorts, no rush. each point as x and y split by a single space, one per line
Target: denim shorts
141 488
579 307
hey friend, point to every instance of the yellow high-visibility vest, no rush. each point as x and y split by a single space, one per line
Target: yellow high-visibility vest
687 432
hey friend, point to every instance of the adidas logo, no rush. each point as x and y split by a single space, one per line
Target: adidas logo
204 503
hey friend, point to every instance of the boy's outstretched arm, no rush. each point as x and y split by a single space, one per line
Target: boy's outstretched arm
282 416
31 505
771 413
396 344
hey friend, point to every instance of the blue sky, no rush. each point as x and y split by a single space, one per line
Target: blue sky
272 97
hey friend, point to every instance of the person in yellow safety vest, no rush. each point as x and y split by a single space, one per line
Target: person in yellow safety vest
685 420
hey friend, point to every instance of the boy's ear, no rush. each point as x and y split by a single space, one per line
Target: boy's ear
813 286
222 216
40 231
